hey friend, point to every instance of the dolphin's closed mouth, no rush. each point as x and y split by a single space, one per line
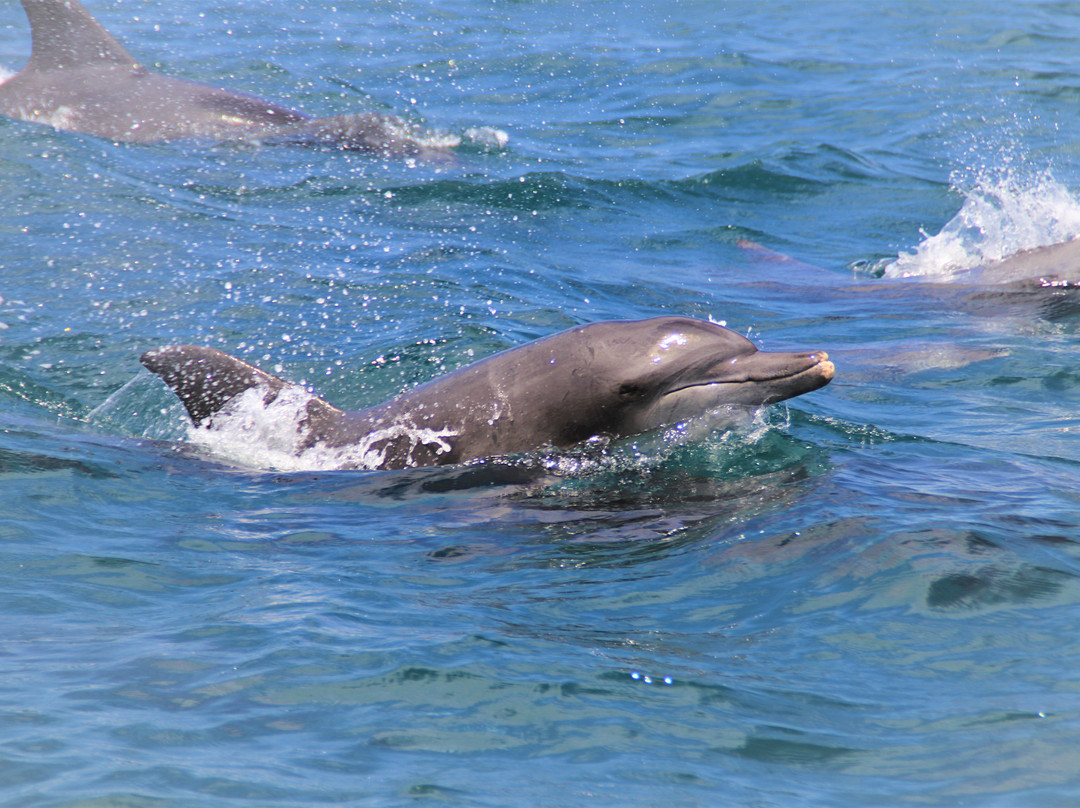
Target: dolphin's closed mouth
822 370
823 365
827 368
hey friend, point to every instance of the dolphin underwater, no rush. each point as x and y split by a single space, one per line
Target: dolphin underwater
80 78
609 379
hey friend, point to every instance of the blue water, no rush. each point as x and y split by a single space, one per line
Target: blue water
870 597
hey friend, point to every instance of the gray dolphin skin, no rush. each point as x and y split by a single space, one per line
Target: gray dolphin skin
1056 266
80 78
609 379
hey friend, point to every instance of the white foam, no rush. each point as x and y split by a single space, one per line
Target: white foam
488 136
1004 212
5 74
428 138
250 433
63 117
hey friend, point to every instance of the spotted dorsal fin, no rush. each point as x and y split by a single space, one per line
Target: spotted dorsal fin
65 35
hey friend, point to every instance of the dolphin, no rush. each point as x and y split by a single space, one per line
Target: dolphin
80 78
1044 280
1054 266
604 380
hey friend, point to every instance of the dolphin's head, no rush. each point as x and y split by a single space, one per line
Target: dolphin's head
665 370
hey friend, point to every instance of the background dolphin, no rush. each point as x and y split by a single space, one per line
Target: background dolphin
81 78
1055 266
611 379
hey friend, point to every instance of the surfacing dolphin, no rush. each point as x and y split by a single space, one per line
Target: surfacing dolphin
1044 281
609 379
1055 266
80 78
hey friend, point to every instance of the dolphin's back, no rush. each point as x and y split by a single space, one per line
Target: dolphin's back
81 79
1054 265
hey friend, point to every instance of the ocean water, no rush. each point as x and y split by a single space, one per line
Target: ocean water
869 596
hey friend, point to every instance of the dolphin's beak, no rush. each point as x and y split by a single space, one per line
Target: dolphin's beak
815 372
825 366
762 377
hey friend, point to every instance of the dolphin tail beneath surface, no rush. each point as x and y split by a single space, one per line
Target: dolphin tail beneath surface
367 132
65 35
205 380
381 133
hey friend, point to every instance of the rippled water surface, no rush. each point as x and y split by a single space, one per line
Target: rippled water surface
867 597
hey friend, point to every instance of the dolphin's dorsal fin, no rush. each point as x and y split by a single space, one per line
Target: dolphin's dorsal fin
65 36
205 380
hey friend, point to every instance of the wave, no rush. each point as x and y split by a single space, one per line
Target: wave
791 175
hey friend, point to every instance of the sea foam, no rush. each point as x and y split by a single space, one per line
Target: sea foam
252 433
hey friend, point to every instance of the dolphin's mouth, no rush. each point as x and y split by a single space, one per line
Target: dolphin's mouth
794 382
822 367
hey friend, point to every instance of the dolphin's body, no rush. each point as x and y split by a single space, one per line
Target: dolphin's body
1056 266
610 379
80 78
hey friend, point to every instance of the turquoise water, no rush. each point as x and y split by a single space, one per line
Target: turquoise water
869 597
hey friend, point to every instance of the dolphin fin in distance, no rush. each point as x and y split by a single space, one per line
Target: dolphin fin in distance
80 78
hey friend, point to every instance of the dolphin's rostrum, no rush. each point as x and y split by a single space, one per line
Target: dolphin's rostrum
609 379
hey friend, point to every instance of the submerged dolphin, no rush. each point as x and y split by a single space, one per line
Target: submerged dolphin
81 78
609 379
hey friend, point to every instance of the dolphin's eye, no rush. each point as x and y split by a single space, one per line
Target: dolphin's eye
630 390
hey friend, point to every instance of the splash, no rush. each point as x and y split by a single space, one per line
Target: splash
483 136
5 74
253 434
135 409
487 136
717 434
719 429
274 436
400 129
1003 212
